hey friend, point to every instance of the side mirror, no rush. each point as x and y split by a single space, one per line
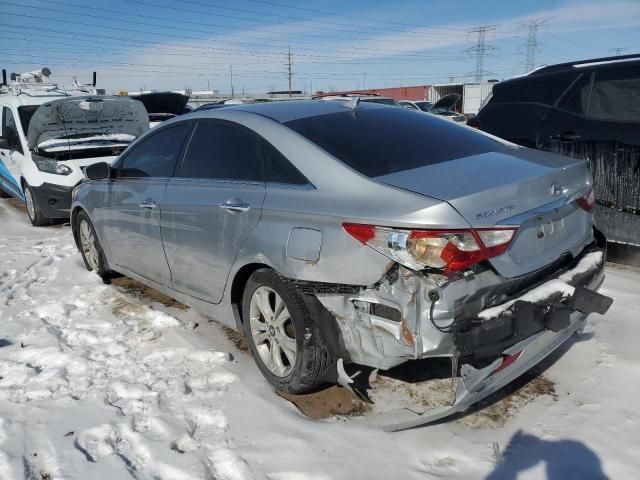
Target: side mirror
98 171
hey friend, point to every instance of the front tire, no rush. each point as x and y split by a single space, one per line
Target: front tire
33 208
282 334
90 248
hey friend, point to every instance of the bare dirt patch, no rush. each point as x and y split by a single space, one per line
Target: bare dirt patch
496 410
17 204
138 290
236 338
328 403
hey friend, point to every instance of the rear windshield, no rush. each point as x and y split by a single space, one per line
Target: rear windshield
378 141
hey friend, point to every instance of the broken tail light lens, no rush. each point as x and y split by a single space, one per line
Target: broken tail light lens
588 201
448 250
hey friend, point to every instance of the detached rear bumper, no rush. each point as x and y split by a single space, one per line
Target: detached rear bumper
505 341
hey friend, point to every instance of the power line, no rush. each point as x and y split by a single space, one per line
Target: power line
481 49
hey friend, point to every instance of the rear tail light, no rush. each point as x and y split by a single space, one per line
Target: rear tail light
447 250
588 201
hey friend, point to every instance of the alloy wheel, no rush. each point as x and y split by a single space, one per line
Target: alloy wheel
88 244
272 331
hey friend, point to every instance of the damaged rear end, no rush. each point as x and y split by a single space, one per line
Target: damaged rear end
496 297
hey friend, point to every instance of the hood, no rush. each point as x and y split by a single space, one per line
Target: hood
170 103
448 101
86 116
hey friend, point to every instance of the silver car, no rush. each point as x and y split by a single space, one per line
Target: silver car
340 236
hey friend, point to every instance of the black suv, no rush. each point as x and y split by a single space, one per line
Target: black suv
588 109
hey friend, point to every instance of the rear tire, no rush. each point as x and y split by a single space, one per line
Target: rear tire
90 248
33 208
276 321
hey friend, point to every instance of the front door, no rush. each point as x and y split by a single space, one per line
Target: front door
130 224
12 154
211 205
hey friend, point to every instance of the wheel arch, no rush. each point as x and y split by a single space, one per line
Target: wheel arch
74 229
238 285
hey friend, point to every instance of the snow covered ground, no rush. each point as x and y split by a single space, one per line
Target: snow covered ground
101 382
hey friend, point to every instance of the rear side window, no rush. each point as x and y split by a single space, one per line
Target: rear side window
279 169
616 94
222 150
545 89
155 156
577 98
378 141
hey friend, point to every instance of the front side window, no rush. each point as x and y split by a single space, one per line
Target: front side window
10 129
223 151
156 155
616 94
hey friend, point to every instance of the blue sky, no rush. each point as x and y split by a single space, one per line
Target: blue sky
173 44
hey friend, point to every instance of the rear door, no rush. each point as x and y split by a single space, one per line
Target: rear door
211 205
130 223
599 120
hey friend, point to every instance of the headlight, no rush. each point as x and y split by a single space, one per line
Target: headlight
51 166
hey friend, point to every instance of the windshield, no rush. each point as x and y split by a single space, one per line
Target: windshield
424 106
379 141
25 114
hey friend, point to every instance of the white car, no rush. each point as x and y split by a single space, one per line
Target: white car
50 134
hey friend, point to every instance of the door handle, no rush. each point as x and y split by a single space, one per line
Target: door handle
235 205
565 136
149 204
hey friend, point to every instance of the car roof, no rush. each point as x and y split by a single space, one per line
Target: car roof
288 110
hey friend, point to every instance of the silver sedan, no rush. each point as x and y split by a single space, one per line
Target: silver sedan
342 234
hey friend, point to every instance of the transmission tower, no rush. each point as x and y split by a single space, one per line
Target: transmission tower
481 49
619 50
532 41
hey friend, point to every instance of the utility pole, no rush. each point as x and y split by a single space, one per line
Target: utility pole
364 80
231 73
619 51
532 41
481 49
289 68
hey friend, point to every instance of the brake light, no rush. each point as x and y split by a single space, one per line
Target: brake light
448 250
588 201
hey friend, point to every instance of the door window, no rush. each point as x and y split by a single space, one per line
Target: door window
224 151
155 156
279 169
10 129
576 100
616 94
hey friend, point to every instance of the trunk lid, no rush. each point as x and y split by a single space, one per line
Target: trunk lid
76 117
525 188
163 105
